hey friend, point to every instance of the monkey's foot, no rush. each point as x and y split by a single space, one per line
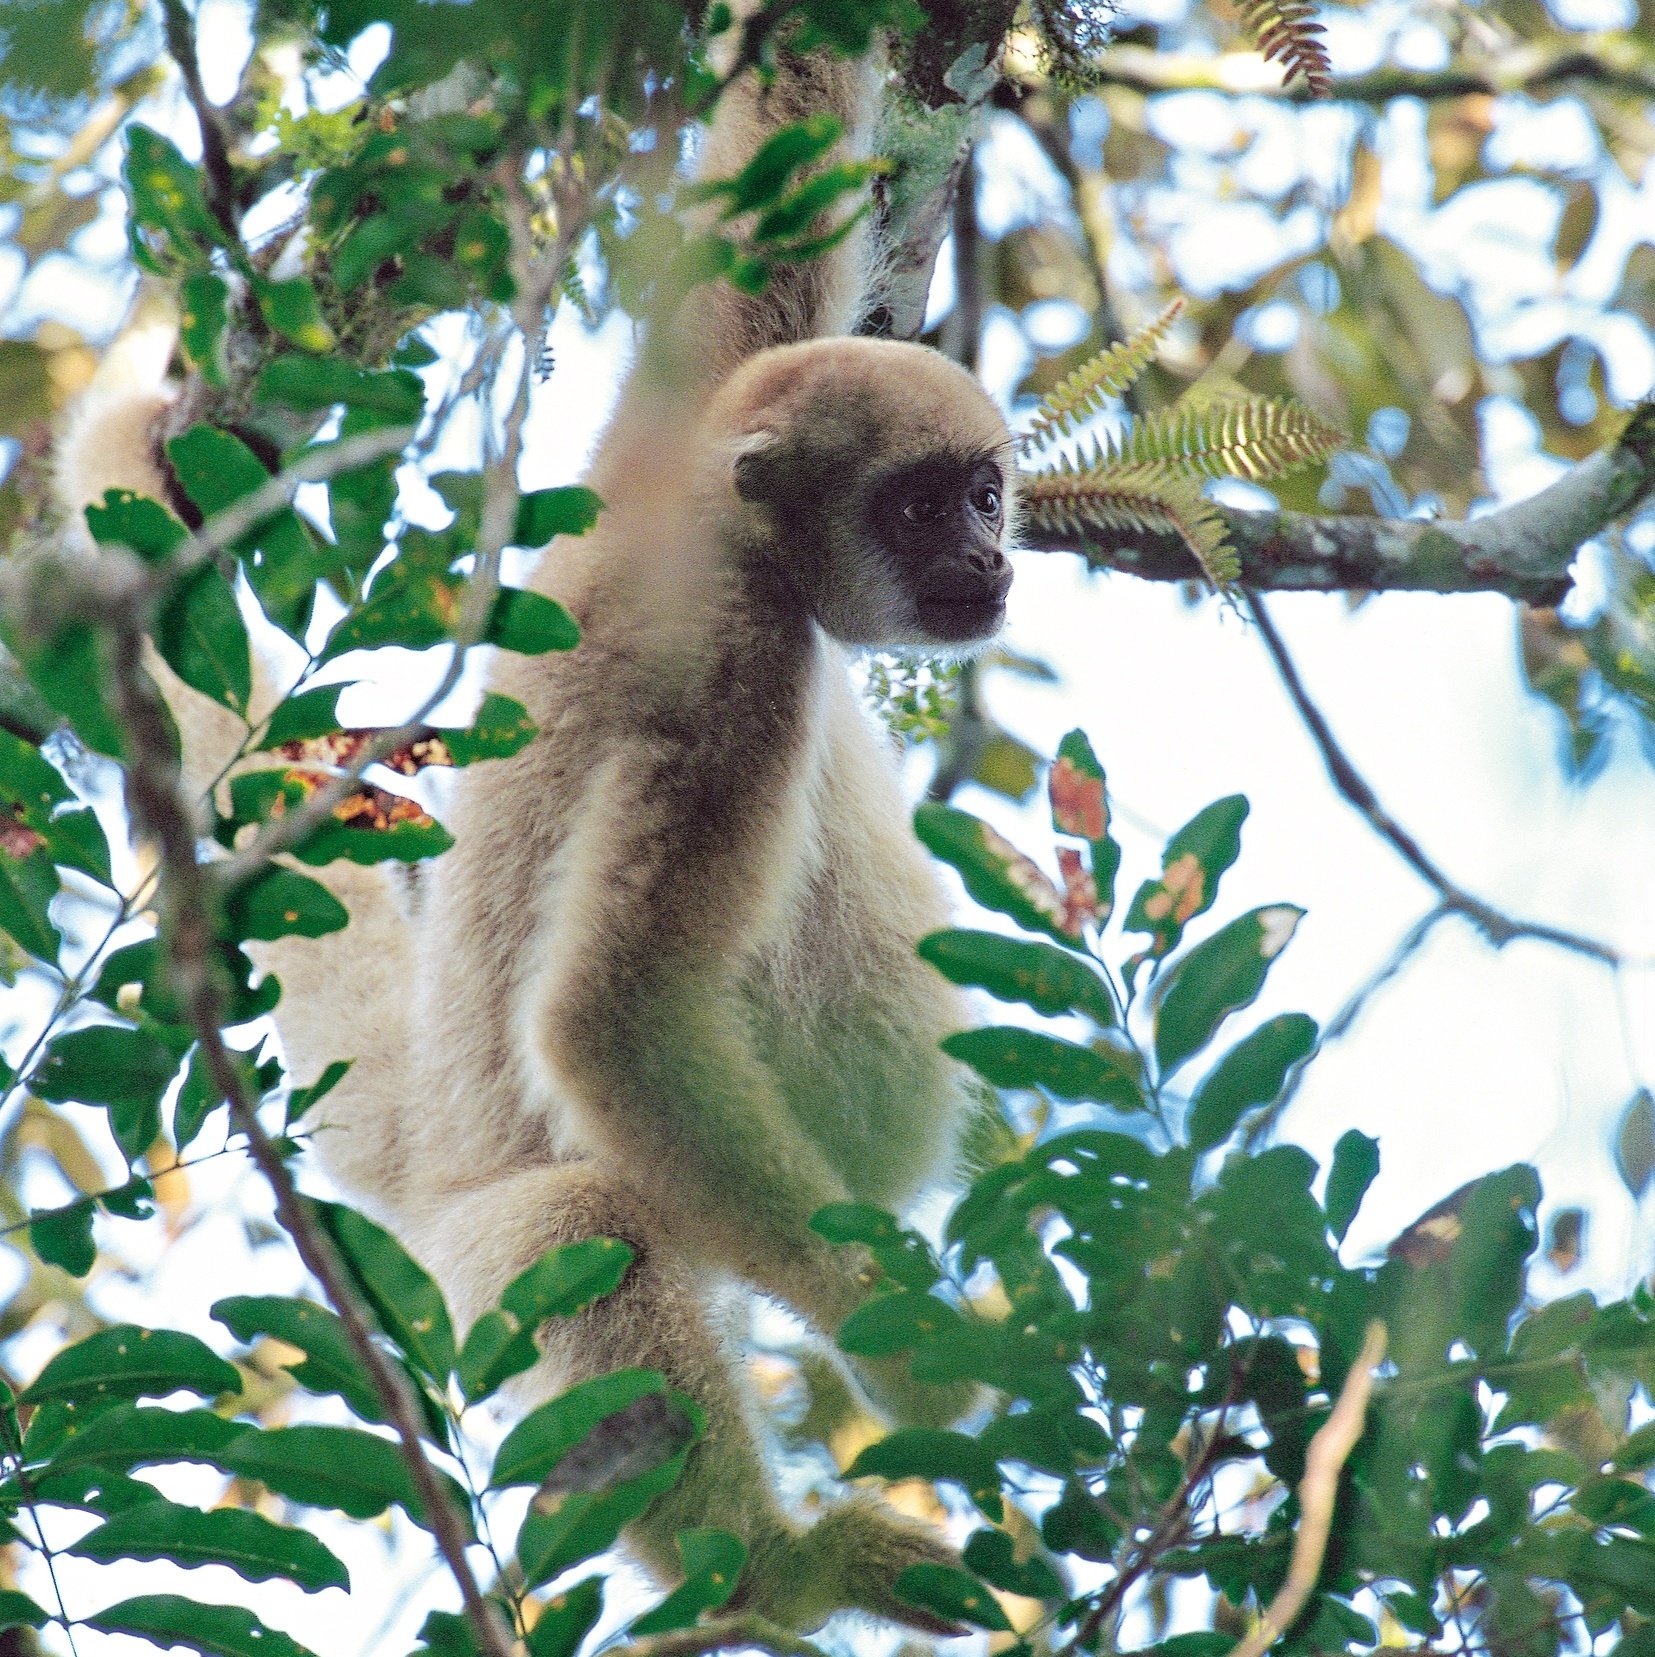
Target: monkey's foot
849 1560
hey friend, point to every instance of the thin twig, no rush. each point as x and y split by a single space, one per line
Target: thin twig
1346 1017
215 151
1498 927
1324 1460
726 1634
153 800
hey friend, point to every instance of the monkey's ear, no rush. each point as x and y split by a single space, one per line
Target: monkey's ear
756 466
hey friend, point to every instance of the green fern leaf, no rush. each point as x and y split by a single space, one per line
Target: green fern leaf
1146 497
1257 438
1107 374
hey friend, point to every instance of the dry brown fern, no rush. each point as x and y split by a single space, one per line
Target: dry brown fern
1287 33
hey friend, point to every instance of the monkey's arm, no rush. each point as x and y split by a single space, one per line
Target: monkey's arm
644 1026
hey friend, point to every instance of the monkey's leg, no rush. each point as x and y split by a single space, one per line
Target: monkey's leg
666 1316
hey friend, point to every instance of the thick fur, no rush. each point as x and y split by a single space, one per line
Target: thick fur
664 986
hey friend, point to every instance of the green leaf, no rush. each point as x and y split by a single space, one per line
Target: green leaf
995 873
330 1362
197 1099
249 1544
904 1256
131 1362
566 1619
1194 859
130 1436
63 1236
502 728
1018 969
1252 1073
414 613
529 623
1010 1056
143 526
311 713
1219 977
216 469
126 1070
534 1447
891 1323
544 513
17 1610
713 1563
165 192
300 1100
27 887
953 1594
551 1540
1355 1164
169 1620
337 1467
205 310
305 382
282 903
68 670
562 1282
930 1453
766 176
202 638
292 310
408 1304
992 1555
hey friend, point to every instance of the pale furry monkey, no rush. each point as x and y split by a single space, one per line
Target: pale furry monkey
664 986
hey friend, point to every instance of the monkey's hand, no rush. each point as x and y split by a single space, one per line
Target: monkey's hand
849 1559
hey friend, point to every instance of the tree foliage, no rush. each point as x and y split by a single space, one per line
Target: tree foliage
1152 1290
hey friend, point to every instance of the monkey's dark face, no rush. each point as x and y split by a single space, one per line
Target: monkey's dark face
941 523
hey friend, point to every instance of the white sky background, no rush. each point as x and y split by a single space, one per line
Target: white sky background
1472 1058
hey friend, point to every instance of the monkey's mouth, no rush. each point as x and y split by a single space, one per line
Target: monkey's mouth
962 609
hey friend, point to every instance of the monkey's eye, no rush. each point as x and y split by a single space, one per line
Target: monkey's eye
986 499
924 510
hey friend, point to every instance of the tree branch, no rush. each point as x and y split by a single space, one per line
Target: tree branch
1616 65
723 1634
215 150
1499 928
1523 551
1326 1456
153 799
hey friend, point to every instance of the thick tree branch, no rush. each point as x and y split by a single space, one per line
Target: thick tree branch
1615 63
154 800
1523 551
1499 928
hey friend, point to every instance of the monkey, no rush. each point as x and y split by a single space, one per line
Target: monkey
663 987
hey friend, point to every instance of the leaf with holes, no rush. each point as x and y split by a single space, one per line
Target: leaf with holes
1191 866
168 1620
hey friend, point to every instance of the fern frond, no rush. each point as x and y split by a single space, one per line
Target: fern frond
1107 374
1257 438
1287 32
1143 496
